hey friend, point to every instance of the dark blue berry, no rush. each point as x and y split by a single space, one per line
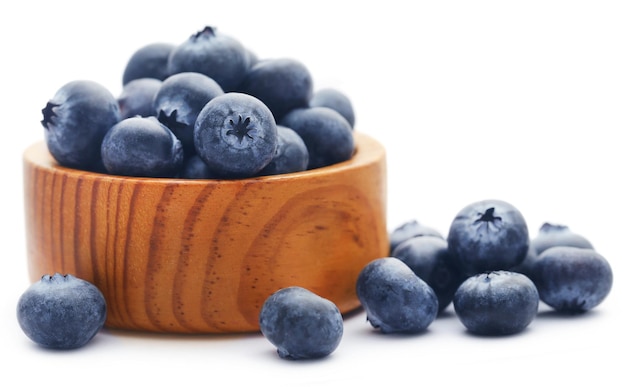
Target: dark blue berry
327 135
180 99
61 311
195 168
395 299
219 56
282 84
149 61
291 154
429 258
142 146
137 97
572 279
496 303
76 119
336 100
488 235
410 229
551 235
235 135
301 324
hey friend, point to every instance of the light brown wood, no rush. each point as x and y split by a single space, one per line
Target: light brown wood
201 256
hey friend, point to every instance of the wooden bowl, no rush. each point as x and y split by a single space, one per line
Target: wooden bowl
201 256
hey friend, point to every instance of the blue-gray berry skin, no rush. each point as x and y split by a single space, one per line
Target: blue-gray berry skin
75 121
572 279
137 96
195 168
219 56
61 311
235 135
301 324
395 299
142 146
496 303
283 84
429 258
180 99
327 135
336 100
551 235
488 235
410 229
149 61
291 154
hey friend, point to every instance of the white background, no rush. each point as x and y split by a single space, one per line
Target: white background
522 101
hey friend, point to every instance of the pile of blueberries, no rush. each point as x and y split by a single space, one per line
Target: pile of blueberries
205 108
487 267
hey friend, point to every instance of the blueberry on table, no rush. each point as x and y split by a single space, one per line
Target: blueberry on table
219 56
142 146
301 324
137 96
327 135
395 299
496 303
235 135
149 61
291 154
429 258
551 235
336 100
180 99
410 229
283 84
61 311
75 121
572 279
488 235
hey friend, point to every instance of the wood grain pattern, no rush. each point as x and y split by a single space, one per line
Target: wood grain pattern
201 256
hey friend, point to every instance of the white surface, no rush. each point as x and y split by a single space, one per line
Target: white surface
519 101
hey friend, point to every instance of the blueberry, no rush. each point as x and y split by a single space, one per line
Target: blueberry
137 97
291 154
142 146
488 235
336 100
282 84
61 311
409 229
195 168
525 267
395 299
235 135
327 135
558 235
149 61
572 279
429 258
219 56
301 324
180 99
75 121
496 303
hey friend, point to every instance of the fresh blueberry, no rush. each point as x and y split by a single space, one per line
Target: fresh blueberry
76 119
395 299
551 235
496 303
336 100
219 56
142 146
282 84
327 135
429 258
291 154
180 99
137 97
149 61
235 135
61 311
572 279
488 235
195 168
409 229
301 324
525 267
